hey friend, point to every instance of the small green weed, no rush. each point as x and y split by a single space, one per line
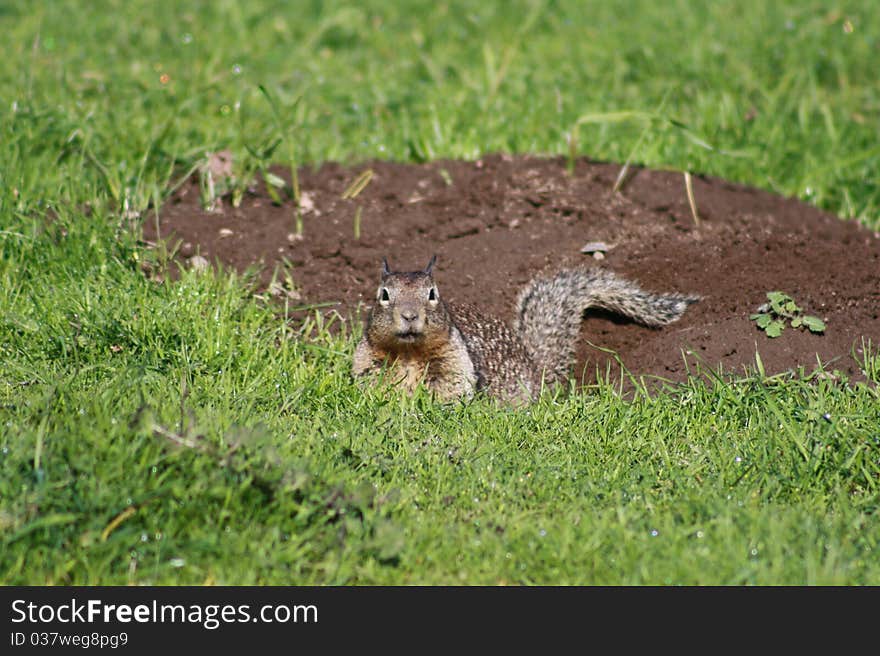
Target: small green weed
771 316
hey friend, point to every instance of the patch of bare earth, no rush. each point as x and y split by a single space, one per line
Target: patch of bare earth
496 222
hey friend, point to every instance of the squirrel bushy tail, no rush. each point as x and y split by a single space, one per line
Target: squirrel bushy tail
550 309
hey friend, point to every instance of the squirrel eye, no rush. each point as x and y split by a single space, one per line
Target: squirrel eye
432 295
383 295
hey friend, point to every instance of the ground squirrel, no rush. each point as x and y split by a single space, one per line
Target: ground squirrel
455 350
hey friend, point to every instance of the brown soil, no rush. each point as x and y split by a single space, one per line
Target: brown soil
496 222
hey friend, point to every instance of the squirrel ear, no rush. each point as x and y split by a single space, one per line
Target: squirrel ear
430 267
385 270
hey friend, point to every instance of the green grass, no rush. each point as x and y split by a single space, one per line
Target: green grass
186 433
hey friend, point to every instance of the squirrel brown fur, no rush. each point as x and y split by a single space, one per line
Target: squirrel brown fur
414 336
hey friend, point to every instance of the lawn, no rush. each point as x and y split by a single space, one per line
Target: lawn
184 433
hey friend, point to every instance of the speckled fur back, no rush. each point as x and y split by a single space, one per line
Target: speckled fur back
503 365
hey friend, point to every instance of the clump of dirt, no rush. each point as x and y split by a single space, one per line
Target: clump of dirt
496 222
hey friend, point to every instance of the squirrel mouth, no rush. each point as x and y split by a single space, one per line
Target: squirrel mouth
408 336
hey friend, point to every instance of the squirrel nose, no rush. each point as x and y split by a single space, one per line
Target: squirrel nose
409 314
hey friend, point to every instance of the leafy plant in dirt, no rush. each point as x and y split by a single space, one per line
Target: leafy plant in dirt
771 316
283 124
218 178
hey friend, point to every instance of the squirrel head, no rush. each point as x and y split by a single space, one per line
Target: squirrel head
408 314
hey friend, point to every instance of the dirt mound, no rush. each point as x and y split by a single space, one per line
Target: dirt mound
495 222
